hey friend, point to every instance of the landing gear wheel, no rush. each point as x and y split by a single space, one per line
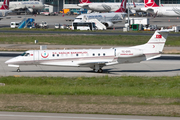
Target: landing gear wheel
100 70
18 70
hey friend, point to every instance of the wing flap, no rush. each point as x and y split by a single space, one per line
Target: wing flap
92 63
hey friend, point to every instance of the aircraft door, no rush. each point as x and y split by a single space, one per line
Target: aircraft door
36 57
114 52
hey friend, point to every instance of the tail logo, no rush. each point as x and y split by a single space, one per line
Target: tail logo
106 7
123 6
149 3
158 36
44 55
5 5
84 1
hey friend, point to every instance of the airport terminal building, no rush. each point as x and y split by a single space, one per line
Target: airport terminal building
57 5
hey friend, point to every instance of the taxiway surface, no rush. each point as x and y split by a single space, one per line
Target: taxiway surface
169 66
62 116
51 20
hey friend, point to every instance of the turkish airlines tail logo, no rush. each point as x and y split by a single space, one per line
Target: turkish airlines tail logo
122 7
5 5
84 1
150 3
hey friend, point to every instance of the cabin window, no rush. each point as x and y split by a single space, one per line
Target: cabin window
104 54
57 55
53 55
76 54
93 54
98 54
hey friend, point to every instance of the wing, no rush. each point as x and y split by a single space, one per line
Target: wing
76 64
100 63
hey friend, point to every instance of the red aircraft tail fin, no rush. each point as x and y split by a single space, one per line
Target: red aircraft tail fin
122 7
150 3
84 1
5 5
134 4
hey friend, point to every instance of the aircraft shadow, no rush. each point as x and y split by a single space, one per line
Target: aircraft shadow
145 71
109 71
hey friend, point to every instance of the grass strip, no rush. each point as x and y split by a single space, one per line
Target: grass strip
167 87
83 40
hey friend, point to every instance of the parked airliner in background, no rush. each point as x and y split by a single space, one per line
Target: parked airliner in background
108 19
152 7
20 7
106 7
4 10
94 58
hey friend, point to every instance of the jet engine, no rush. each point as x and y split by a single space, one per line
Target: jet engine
108 24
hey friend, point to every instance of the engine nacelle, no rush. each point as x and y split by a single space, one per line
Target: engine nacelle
108 24
128 52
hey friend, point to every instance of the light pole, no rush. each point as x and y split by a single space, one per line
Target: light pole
58 6
128 17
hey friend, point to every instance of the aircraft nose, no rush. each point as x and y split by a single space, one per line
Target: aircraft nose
80 5
10 61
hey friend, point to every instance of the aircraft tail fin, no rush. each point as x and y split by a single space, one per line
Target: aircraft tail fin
84 1
122 7
157 41
154 47
5 5
150 3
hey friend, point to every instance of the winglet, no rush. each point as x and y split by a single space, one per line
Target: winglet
5 5
150 3
122 7
84 1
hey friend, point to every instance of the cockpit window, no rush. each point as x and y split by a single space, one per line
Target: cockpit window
25 54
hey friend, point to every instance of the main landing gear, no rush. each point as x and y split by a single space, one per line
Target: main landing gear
98 71
97 68
18 70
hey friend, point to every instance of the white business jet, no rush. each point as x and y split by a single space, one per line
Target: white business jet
108 19
94 58
152 7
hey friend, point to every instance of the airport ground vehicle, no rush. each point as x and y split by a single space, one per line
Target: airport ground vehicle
44 24
65 11
14 24
83 26
57 26
137 20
